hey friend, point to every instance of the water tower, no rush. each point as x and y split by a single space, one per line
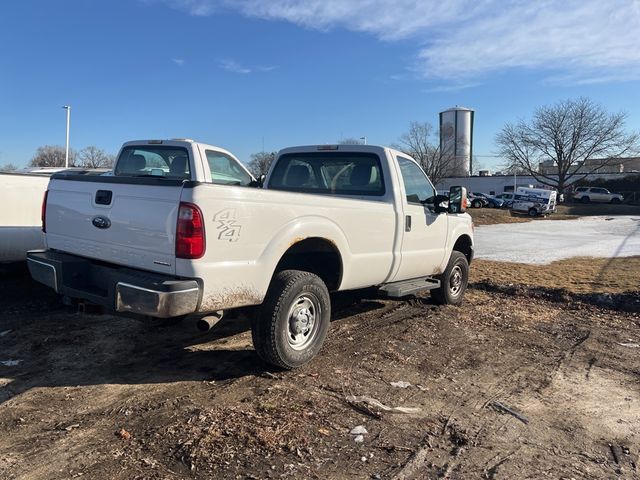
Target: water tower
456 139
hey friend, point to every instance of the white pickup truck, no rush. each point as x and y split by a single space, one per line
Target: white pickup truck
180 227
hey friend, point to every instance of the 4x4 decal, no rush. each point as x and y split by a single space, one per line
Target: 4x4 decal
227 227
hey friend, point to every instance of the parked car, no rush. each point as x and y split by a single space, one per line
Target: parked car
477 202
506 197
182 228
596 194
491 200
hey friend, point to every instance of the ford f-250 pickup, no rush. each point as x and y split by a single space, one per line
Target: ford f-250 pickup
180 227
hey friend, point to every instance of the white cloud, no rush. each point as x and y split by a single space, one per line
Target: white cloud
178 61
234 67
577 41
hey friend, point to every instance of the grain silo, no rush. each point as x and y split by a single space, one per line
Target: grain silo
456 140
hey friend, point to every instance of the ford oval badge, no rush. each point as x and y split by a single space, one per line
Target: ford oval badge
101 222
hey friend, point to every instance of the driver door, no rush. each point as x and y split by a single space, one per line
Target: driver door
425 232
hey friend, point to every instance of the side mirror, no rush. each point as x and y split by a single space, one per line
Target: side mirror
441 204
259 183
457 200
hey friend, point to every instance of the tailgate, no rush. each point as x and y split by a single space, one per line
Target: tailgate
131 224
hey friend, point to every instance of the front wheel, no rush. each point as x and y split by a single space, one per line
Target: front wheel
615 200
294 319
533 212
453 282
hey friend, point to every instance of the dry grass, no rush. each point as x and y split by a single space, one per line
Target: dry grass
579 275
567 211
492 216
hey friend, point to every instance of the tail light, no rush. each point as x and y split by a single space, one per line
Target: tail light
43 212
190 240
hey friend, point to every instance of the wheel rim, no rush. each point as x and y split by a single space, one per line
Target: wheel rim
455 281
303 321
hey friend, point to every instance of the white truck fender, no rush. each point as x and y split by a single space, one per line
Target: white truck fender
459 229
302 228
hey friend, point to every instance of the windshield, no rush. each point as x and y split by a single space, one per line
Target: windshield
154 161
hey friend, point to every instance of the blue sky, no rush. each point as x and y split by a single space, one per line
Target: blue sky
233 73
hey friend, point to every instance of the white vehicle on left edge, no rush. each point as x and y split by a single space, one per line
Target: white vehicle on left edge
21 194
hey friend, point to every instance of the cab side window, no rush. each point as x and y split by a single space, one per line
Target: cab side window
417 186
225 170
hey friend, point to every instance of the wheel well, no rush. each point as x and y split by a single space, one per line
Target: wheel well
315 255
465 246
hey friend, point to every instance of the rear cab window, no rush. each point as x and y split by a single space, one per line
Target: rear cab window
332 173
153 161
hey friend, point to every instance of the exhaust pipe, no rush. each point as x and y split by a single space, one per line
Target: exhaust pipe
207 322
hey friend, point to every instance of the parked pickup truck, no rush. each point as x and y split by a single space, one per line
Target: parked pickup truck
180 227
21 195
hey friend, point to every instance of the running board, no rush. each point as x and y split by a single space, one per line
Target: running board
408 287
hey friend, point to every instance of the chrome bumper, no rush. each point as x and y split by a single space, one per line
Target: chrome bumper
122 290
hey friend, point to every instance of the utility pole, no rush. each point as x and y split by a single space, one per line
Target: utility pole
66 155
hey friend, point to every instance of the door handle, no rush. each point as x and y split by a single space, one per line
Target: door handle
407 223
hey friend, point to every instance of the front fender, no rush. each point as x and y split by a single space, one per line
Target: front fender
459 225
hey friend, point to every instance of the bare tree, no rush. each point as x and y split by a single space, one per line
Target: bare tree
9 167
260 163
93 157
51 156
421 143
579 136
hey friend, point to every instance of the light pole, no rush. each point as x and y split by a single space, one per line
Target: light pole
66 154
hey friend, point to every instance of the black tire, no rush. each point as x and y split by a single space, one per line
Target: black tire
615 200
453 282
295 300
476 204
585 199
533 212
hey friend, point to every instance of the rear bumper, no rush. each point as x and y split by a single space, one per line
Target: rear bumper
121 289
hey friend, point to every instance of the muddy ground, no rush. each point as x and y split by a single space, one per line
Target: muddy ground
523 381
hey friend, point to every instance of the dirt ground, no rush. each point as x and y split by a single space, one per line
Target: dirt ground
522 381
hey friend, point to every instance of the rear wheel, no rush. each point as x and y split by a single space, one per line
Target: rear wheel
476 204
453 282
294 319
